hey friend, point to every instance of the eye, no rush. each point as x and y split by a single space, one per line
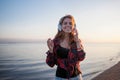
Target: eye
65 23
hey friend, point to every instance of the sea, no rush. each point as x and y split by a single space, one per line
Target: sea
26 60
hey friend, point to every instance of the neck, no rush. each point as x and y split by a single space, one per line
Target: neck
66 36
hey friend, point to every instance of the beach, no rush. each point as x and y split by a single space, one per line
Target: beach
112 73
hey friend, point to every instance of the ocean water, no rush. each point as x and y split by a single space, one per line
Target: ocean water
26 61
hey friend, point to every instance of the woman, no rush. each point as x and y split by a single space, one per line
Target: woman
66 50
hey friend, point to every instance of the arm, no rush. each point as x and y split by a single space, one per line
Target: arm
81 55
77 50
50 59
80 50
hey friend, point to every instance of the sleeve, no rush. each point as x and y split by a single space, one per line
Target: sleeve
50 59
81 55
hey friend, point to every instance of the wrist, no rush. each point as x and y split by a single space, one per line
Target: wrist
51 51
78 40
79 49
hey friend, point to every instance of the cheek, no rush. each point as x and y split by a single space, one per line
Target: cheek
71 27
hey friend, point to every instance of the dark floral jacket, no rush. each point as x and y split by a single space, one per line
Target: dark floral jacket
73 59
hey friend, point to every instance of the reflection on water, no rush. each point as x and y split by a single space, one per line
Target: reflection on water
24 70
26 61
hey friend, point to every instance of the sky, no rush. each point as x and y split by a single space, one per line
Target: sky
96 20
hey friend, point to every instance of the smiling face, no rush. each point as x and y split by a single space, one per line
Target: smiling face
67 25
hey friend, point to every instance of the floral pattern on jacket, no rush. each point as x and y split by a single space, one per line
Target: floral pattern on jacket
73 59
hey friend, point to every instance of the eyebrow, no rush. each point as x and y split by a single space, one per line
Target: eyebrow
67 22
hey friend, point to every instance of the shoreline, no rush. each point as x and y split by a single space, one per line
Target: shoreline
113 73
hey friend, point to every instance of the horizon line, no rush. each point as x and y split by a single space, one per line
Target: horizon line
42 40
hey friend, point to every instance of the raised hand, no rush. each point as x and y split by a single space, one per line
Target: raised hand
76 38
50 45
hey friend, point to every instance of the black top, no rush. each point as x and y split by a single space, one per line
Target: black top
62 52
60 72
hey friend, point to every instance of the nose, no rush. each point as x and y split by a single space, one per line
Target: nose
68 24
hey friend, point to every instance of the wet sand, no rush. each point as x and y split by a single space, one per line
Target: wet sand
112 73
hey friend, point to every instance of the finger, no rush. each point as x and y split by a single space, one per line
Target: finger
49 39
76 31
52 43
48 42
